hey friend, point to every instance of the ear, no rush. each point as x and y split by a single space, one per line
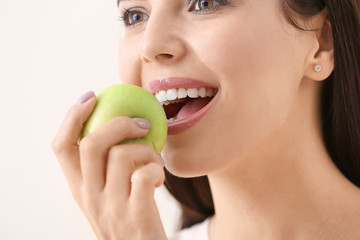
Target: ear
323 51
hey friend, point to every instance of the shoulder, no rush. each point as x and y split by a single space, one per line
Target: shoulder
198 231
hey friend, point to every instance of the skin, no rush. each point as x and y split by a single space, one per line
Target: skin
273 174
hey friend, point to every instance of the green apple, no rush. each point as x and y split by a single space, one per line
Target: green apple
134 102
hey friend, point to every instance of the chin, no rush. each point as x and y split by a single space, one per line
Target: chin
186 167
185 172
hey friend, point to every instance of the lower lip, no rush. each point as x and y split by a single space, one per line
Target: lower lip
186 123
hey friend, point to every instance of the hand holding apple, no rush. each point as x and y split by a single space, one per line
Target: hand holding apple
134 102
113 183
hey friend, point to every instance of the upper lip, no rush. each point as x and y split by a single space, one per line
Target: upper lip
177 82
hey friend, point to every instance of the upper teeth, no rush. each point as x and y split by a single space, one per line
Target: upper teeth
163 96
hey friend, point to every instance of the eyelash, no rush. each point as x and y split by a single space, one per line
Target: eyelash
127 11
125 14
219 3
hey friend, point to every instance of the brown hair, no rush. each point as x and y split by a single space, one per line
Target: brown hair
340 105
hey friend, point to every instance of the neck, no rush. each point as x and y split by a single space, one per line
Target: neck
284 189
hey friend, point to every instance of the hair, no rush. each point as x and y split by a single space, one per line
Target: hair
340 105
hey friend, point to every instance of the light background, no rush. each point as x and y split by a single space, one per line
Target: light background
51 52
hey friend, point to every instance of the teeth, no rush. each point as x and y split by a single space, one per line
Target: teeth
171 94
182 93
173 119
164 96
202 92
161 96
193 93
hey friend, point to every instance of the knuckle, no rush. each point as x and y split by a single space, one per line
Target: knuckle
141 177
118 152
121 120
151 175
88 144
58 146
147 150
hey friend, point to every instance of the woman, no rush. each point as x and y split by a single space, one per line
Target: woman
277 140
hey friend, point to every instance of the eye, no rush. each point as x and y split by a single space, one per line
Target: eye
204 5
199 6
133 16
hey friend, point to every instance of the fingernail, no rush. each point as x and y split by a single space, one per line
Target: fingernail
161 160
85 97
142 123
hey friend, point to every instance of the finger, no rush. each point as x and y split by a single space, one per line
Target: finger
142 202
122 161
65 145
144 181
69 131
95 146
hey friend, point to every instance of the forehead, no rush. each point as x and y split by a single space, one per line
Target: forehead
118 1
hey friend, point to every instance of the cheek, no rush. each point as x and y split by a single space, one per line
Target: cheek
264 52
257 64
129 63
253 69
259 78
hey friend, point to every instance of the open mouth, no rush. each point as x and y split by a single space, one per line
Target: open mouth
181 103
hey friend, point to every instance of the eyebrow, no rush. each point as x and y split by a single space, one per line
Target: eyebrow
118 1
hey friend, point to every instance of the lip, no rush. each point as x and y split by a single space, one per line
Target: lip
180 82
186 123
177 82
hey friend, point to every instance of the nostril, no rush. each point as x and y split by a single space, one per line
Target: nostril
164 56
159 57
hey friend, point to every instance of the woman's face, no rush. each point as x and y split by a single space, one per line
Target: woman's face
244 48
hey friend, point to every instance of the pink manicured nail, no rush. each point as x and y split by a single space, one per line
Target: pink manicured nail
85 97
142 123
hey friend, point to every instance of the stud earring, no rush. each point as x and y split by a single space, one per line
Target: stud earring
317 68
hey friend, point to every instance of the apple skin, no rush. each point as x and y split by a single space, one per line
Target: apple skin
133 102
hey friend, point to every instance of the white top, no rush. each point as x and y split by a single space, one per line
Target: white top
199 231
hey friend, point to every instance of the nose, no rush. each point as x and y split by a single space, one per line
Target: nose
162 42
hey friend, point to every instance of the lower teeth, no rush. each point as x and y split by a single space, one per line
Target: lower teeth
173 119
